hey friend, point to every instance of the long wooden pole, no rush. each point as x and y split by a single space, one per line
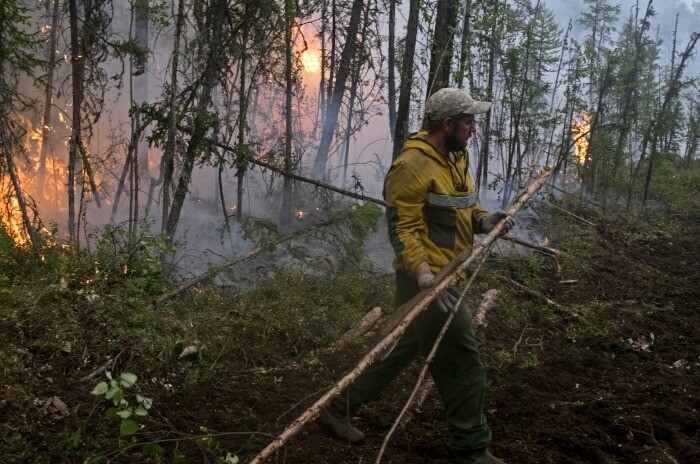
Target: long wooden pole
397 329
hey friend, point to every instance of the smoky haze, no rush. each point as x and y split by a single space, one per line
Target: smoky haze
369 149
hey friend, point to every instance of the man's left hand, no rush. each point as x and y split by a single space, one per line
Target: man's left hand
489 222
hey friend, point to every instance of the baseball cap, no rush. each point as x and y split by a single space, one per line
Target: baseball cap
451 101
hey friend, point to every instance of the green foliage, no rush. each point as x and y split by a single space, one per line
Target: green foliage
132 47
265 232
18 48
294 313
157 13
115 390
677 184
134 260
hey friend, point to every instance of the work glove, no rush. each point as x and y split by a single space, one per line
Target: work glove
490 221
445 300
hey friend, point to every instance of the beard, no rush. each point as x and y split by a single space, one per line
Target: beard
453 143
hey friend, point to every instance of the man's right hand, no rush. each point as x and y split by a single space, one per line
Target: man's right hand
445 300
489 222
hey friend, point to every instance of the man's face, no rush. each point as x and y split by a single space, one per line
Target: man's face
458 130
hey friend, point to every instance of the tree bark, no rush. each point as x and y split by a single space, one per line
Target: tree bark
442 48
391 64
48 91
168 160
76 134
402 114
331 120
286 211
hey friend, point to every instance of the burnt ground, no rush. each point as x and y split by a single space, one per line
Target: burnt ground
624 390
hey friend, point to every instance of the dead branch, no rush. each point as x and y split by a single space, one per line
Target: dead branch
397 328
487 302
572 215
366 324
569 312
98 371
549 252
515 347
212 272
534 246
272 168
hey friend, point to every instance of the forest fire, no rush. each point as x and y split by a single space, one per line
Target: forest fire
12 217
580 130
40 180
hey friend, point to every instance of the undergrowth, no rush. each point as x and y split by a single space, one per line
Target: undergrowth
84 312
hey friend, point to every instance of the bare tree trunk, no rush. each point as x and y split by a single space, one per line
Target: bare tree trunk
464 48
391 63
76 135
406 78
168 160
11 170
242 164
286 211
442 48
674 88
48 91
356 67
482 167
333 110
212 65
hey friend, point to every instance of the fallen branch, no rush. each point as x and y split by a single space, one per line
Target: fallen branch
366 324
460 264
158 117
572 215
569 312
487 302
534 246
212 272
550 252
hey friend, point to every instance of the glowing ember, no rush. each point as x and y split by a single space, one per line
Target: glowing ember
299 213
580 130
311 60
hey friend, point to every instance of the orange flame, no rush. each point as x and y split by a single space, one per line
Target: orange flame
48 191
580 130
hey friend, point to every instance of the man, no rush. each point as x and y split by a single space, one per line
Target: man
432 215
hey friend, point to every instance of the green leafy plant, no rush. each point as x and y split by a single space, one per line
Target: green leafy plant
114 390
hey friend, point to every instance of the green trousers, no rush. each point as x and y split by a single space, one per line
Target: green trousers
456 369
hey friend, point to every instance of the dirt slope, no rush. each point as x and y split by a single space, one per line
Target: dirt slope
626 391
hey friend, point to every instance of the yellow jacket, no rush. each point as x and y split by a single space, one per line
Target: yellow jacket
431 206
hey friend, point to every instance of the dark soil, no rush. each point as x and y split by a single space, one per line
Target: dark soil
626 390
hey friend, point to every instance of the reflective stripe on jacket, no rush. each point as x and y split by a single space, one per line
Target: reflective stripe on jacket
431 206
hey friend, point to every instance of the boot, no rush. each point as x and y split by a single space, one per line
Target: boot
342 428
484 457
